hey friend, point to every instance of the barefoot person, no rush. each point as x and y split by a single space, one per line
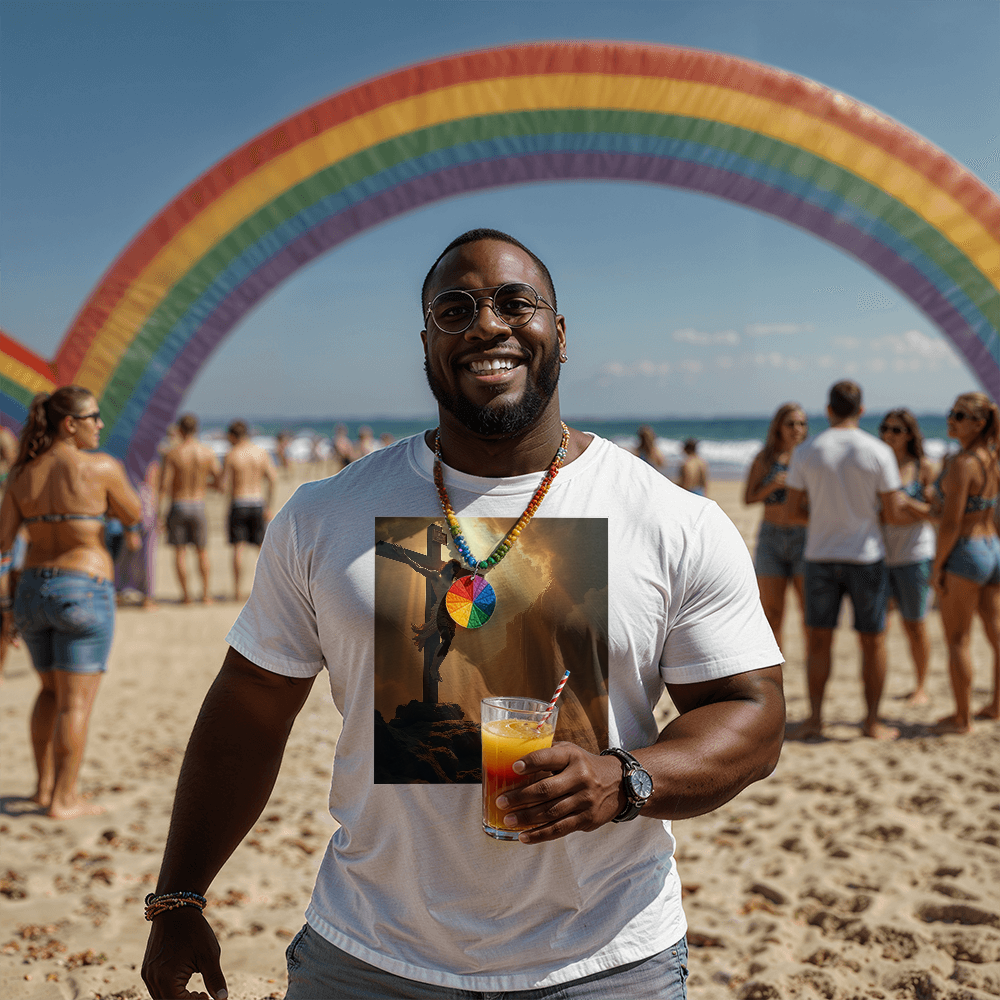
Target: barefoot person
966 571
65 602
780 544
189 468
836 484
245 470
909 548
640 584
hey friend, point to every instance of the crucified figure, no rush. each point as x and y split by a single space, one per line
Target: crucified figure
439 577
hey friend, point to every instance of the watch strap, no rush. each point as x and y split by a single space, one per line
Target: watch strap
629 763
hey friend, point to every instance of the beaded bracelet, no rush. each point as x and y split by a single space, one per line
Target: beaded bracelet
155 905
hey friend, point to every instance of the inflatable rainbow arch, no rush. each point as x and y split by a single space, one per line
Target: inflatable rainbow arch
703 121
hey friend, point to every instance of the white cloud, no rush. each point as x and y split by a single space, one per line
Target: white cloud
769 329
644 368
725 361
689 336
847 343
691 366
916 344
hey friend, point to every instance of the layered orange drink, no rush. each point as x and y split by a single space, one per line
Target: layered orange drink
511 729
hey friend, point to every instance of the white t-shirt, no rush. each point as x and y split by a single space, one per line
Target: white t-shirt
410 883
844 470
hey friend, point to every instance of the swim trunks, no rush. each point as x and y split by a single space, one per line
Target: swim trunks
186 524
67 619
246 522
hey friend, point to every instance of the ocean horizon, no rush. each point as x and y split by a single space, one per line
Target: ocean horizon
728 444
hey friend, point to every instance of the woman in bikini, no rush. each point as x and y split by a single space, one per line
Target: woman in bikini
64 606
779 544
909 549
966 572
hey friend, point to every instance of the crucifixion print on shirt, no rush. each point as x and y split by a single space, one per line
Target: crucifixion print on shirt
550 615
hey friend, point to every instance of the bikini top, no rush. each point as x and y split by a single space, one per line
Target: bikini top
973 503
59 518
779 495
914 489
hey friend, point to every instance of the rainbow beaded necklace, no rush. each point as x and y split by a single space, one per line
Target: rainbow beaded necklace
471 601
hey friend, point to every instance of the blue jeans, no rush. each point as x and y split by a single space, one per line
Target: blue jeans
779 550
317 969
911 586
67 619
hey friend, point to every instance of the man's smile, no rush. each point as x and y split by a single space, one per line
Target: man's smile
492 369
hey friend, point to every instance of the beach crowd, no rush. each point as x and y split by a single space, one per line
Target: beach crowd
876 520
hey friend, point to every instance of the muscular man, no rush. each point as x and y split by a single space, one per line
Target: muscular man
189 469
625 579
846 476
246 468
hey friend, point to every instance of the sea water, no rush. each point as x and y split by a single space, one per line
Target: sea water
728 444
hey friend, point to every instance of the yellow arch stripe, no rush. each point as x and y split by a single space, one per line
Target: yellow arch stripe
24 376
512 94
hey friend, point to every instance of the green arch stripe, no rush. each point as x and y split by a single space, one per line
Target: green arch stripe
768 152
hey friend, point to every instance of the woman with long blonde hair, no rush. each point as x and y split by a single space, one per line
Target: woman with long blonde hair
780 544
64 606
966 572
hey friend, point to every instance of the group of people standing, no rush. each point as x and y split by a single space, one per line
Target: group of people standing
846 513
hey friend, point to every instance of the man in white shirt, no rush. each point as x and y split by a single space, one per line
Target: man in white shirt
630 582
837 484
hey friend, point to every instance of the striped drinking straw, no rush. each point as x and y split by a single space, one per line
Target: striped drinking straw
553 700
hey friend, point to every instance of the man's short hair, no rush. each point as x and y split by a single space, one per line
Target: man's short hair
845 399
188 424
475 236
238 429
691 445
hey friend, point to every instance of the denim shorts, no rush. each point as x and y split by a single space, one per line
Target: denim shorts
977 558
867 585
66 618
911 586
317 968
779 550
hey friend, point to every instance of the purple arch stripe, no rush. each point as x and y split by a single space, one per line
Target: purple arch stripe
533 168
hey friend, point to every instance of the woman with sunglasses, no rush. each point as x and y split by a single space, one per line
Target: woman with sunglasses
779 544
909 549
966 572
64 606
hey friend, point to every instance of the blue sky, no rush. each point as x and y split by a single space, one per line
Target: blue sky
676 303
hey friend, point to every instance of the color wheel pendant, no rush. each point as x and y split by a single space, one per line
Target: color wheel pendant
471 601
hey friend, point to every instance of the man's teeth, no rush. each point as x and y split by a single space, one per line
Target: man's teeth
485 367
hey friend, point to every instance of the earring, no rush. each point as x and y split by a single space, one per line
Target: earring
563 358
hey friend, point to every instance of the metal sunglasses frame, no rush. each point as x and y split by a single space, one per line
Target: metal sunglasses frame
477 305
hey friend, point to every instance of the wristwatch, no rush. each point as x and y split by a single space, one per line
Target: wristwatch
636 782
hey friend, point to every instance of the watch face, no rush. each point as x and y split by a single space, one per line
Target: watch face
641 784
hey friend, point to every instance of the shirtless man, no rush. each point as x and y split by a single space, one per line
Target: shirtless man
244 471
693 475
189 468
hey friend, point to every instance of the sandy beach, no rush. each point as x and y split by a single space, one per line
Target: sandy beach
858 869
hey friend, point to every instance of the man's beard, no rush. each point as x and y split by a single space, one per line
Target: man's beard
502 419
